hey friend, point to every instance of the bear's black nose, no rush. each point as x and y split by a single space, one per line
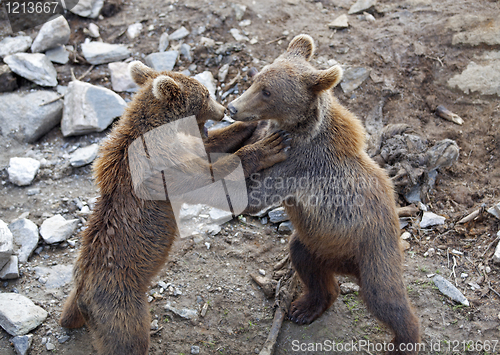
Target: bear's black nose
232 110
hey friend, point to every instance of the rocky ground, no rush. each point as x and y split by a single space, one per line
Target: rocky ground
401 59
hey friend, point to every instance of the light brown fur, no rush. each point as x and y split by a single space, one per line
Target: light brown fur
339 201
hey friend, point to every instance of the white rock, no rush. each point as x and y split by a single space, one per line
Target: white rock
11 45
207 42
223 71
285 227
237 35
188 211
207 79
55 276
22 171
481 78
353 78
84 156
339 22
120 77
19 315
134 30
245 23
179 34
496 256
278 215
89 108
11 269
495 210
406 235
22 343
6 244
33 66
164 42
239 11
361 5
58 55
57 229
183 313
93 30
447 288
487 32
348 288
26 237
220 216
162 61
430 219
100 53
52 34
88 8
24 115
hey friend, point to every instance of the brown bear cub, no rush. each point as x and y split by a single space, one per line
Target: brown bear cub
128 238
339 201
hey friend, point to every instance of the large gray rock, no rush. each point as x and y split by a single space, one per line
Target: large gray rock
178 34
19 315
163 60
6 244
26 237
447 288
22 171
487 31
220 216
33 66
11 45
100 53
54 277
120 77
8 81
278 215
430 219
84 156
482 78
353 78
58 55
22 343
11 269
57 229
89 108
207 79
88 8
25 116
361 5
52 34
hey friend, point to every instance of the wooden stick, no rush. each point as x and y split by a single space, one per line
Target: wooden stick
276 40
270 343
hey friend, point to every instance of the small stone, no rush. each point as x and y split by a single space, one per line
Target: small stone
223 71
164 42
11 269
430 252
185 313
430 219
207 42
25 237
406 235
361 5
100 53
6 244
89 108
120 77
285 227
50 346
348 288
93 30
58 55
154 325
84 156
262 272
22 343
22 171
495 210
207 244
463 275
339 23
188 211
179 34
278 215
134 30
33 66
57 229
88 8
185 52
239 11
220 216
449 290
245 23
11 45
162 61
353 78
52 34
207 79
404 244
195 349
63 338
19 315
237 35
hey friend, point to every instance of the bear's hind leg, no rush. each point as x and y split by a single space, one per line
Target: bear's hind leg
71 316
321 286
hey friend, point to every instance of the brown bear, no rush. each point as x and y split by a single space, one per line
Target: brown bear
128 238
340 202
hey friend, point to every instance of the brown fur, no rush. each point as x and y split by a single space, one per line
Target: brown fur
339 201
128 239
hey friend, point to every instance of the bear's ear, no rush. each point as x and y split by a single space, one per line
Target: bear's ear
301 46
139 72
326 79
165 88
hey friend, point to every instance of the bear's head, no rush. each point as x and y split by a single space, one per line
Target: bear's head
288 90
167 96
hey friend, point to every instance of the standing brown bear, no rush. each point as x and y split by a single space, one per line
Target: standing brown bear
339 201
128 238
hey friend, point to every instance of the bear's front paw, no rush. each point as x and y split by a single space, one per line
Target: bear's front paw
306 309
274 149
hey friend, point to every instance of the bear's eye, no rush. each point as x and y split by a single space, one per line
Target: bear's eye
207 96
266 93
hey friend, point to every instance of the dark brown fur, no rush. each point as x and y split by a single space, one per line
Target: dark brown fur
128 239
339 201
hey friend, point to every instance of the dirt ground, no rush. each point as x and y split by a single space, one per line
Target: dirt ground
409 50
